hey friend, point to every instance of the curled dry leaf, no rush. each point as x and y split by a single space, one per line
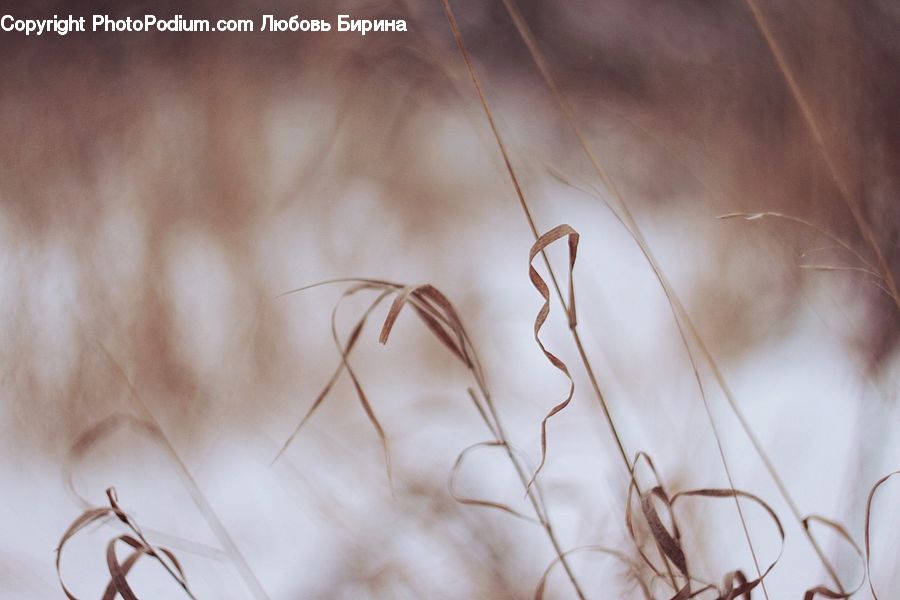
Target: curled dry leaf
97 433
440 317
735 588
454 472
540 285
669 544
344 350
868 526
823 590
111 591
429 304
118 571
734 584
629 520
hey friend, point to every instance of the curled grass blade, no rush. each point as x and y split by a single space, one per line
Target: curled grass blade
629 519
441 318
868 527
119 570
734 584
454 473
97 433
344 350
670 544
540 285
125 566
717 493
360 392
203 505
823 590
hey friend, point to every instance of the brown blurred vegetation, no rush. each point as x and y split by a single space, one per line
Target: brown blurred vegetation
157 192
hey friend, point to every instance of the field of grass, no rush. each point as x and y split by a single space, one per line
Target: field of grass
587 300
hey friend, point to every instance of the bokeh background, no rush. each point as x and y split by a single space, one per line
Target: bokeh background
158 192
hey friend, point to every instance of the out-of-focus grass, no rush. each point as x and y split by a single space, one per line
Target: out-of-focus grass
158 194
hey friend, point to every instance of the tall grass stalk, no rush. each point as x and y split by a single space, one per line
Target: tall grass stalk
682 315
573 328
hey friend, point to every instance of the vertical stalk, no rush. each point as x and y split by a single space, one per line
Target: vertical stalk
573 328
569 115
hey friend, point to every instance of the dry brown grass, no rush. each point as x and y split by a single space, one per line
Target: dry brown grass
158 202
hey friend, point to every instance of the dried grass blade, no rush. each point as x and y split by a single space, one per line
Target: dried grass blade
454 472
632 226
83 520
203 505
629 520
360 392
116 570
374 283
825 591
94 435
177 573
441 334
540 285
436 319
111 591
345 350
485 416
732 583
668 543
868 525
433 300
119 571
685 593
394 312
543 242
878 279
439 315
732 493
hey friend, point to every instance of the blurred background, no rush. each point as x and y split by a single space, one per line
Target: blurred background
159 191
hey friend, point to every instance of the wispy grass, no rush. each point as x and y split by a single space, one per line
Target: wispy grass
656 559
140 547
437 313
815 129
148 421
